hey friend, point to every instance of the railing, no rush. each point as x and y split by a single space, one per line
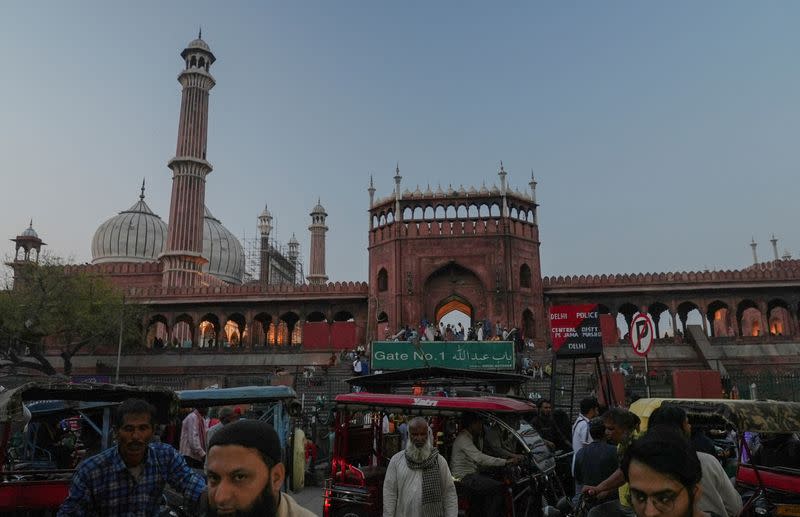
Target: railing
777 386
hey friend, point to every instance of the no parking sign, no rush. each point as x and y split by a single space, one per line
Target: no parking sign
642 333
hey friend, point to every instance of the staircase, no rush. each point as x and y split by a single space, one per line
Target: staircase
323 385
699 340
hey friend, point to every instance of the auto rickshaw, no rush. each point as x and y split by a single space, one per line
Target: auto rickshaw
33 481
275 405
766 489
362 450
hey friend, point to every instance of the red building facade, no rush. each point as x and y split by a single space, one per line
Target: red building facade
472 250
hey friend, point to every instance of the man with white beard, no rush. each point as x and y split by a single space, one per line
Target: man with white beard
418 482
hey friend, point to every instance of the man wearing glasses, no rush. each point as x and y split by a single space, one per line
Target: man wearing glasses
664 475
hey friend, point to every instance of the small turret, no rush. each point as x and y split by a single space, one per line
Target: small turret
371 191
265 222
397 215
774 242
265 228
294 248
27 241
502 173
503 188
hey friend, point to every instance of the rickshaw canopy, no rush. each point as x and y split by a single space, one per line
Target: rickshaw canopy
410 403
436 376
745 415
81 396
239 395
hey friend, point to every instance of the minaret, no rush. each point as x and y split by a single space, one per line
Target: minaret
502 173
183 254
532 184
397 195
753 245
774 242
371 191
294 254
264 228
316 266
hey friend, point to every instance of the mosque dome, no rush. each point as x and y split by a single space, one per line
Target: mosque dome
223 251
133 235
30 232
319 209
198 43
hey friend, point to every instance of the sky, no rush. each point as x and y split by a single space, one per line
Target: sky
664 136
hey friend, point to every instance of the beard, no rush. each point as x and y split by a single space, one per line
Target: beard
419 454
264 506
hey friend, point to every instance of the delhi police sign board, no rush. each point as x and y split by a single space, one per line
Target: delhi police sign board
575 330
399 355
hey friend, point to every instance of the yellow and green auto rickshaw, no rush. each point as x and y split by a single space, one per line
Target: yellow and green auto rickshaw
767 465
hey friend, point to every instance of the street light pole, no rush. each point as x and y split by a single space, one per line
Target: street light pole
119 345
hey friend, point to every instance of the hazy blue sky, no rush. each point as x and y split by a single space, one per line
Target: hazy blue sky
663 135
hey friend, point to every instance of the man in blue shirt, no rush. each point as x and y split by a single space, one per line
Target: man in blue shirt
129 479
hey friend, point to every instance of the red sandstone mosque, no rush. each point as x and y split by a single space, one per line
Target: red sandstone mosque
431 252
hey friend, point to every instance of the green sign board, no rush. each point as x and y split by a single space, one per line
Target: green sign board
398 355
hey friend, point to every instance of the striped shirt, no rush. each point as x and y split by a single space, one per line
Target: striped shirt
103 485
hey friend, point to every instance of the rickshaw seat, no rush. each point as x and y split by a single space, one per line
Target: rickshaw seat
786 482
371 473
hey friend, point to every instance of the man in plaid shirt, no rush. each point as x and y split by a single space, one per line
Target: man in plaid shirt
129 479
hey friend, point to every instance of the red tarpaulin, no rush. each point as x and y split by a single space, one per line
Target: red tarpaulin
343 335
316 335
617 385
608 327
696 384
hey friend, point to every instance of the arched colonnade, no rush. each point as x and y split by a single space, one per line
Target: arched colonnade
235 329
719 317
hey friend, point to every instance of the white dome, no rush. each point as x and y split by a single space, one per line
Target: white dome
223 251
134 235
30 232
319 209
198 43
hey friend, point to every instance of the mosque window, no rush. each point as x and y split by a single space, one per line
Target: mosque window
525 276
383 280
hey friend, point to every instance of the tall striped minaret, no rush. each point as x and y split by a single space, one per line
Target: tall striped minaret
182 258
316 266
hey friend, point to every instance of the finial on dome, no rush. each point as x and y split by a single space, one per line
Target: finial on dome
141 195
501 166
31 223
200 32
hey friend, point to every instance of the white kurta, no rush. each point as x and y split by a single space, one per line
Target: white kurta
402 489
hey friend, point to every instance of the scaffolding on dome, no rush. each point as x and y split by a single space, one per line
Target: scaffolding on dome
282 269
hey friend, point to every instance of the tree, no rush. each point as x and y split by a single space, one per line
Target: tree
64 307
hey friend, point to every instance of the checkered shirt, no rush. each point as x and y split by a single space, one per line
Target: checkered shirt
103 486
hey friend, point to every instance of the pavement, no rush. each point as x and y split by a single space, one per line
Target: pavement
310 498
